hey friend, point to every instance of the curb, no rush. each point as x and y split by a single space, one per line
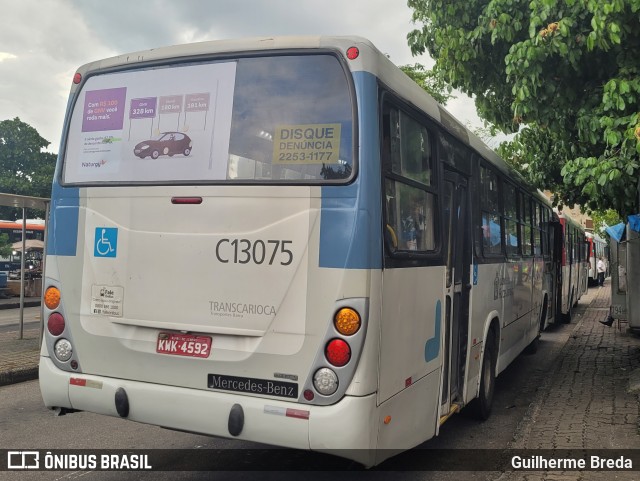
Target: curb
18 375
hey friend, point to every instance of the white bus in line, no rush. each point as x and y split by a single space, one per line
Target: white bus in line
574 265
279 240
596 247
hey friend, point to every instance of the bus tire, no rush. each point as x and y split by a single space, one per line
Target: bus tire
566 318
480 408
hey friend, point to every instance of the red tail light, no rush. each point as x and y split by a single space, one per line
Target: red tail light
338 352
55 324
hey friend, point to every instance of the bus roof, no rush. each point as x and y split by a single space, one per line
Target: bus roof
201 49
568 218
595 237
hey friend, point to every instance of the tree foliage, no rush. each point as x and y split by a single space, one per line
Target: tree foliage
25 168
429 81
562 73
602 219
5 246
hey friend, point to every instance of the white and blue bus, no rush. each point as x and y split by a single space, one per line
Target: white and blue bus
284 240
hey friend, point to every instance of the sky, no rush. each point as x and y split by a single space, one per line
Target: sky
42 42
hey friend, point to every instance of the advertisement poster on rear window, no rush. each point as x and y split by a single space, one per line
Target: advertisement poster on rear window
166 124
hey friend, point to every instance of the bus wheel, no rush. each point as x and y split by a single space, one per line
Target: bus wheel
481 406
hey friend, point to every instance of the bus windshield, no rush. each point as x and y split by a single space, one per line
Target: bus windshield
281 119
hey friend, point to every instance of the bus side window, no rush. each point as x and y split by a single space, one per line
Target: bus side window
544 219
510 220
527 244
537 226
406 154
410 214
490 206
391 227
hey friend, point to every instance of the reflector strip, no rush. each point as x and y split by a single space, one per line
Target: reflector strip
298 413
76 381
275 410
290 413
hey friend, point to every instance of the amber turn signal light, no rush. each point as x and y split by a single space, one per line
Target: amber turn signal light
347 321
52 298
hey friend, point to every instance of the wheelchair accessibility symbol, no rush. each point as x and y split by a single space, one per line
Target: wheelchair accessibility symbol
106 242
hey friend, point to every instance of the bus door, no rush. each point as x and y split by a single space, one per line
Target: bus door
458 260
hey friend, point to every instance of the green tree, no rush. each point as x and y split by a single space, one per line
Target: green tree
429 81
25 168
602 219
562 73
5 246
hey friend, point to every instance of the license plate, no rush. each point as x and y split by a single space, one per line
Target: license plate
183 345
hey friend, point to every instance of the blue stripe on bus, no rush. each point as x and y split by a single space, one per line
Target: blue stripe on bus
350 219
62 237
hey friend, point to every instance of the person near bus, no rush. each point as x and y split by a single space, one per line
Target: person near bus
601 267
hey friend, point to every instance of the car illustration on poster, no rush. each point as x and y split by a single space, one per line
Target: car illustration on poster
167 143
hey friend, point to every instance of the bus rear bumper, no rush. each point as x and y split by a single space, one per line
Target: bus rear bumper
345 429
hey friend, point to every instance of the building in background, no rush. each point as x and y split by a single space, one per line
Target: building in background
585 221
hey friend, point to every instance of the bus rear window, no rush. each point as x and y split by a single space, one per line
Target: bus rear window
280 119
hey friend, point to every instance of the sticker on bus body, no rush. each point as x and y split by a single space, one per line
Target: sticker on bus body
107 300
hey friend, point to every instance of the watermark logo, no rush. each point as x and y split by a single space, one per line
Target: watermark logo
57 460
23 460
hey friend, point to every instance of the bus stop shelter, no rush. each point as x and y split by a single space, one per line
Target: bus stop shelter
25 202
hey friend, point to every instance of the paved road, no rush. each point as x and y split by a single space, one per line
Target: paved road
575 393
10 318
25 423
